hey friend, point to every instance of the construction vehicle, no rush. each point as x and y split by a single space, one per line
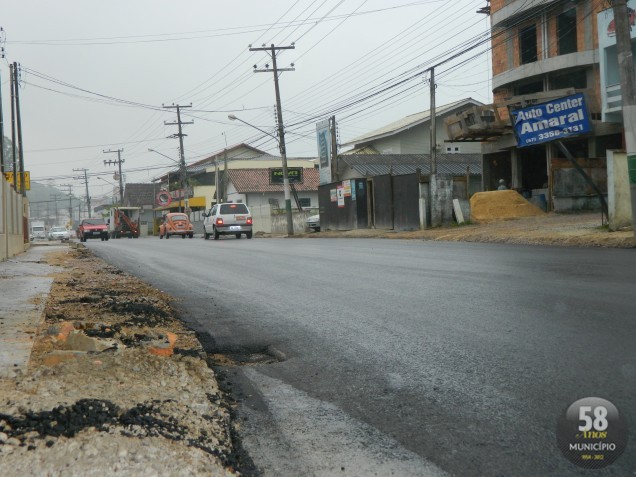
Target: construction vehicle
124 222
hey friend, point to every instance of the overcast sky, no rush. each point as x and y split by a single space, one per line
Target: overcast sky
95 75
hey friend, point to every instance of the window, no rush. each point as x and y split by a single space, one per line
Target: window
530 88
233 209
566 32
572 79
528 44
305 202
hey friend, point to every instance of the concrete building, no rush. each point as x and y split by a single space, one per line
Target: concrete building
542 50
202 175
411 135
252 187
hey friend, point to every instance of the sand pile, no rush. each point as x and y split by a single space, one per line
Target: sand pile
500 204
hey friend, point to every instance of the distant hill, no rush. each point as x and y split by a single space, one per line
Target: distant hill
42 202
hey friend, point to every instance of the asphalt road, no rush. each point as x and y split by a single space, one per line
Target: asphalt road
407 357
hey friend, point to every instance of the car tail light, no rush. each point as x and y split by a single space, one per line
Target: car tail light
219 221
249 221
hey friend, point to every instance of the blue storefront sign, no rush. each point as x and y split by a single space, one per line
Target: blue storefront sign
558 119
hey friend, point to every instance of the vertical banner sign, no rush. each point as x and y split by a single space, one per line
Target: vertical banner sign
552 121
341 199
323 137
346 185
333 195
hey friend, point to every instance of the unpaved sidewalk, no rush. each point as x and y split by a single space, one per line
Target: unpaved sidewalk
115 383
580 230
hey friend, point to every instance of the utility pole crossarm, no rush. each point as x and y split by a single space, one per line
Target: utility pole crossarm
182 165
119 162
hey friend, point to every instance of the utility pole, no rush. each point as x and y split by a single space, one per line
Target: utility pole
119 162
2 158
88 197
185 187
433 146
69 191
13 145
56 197
19 121
281 129
628 93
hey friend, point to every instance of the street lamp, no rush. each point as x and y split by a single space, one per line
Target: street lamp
283 154
184 179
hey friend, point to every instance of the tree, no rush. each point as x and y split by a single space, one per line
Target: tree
8 151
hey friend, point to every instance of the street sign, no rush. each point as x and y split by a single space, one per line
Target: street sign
27 179
295 175
552 121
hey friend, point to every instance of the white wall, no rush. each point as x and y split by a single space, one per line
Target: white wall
13 207
618 190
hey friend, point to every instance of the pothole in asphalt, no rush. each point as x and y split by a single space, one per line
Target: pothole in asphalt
246 357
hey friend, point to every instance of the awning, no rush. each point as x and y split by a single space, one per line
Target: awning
194 202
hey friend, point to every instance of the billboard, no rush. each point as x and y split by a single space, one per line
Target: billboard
294 174
323 136
551 121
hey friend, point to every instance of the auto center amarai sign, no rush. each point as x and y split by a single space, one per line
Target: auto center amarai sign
558 119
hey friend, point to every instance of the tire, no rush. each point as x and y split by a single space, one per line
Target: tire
102 238
190 235
248 234
183 236
106 238
206 236
238 236
216 234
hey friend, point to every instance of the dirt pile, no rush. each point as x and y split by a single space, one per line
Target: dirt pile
116 384
500 204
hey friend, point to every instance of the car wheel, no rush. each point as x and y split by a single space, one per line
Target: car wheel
102 239
216 234
190 235
248 234
183 236
238 236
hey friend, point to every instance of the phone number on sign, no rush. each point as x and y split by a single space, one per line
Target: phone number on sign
560 132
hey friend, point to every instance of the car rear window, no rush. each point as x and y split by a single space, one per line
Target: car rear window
58 229
93 222
234 209
180 217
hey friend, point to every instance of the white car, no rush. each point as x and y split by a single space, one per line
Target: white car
313 222
228 219
59 233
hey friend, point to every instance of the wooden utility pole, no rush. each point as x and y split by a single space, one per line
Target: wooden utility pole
185 186
19 129
628 93
433 135
281 129
2 158
13 129
119 162
88 197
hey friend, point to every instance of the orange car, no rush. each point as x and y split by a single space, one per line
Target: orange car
176 223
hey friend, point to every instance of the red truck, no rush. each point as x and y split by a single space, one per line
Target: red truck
92 228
